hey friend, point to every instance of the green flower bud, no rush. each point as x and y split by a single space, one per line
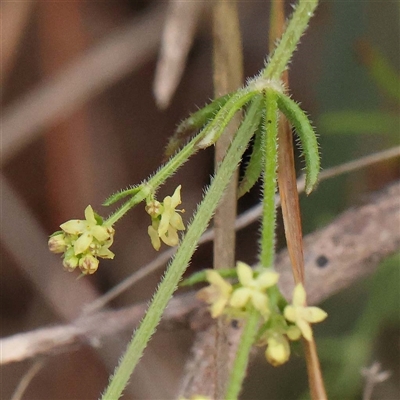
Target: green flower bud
70 263
278 349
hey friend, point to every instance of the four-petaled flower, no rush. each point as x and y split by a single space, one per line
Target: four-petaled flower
253 289
87 230
165 220
302 315
217 294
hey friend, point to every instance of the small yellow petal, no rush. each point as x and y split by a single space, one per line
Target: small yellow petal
89 215
290 313
171 238
299 295
82 243
155 239
217 280
314 314
176 197
100 233
260 302
305 329
267 279
106 254
176 222
164 223
245 273
74 226
217 308
240 297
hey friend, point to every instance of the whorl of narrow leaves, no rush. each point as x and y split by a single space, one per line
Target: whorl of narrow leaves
308 139
194 122
254 166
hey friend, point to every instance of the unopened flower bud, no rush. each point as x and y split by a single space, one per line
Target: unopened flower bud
70 263
278 350
153 208
57 243
293 332
88 264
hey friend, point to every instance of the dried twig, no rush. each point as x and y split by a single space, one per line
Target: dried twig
349 248
90 329
179 31
26 380
373 375
227 77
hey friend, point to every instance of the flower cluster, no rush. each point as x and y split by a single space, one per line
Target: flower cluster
165 220
227 299
278 326
82 242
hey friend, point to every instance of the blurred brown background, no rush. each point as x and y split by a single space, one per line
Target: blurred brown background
79 122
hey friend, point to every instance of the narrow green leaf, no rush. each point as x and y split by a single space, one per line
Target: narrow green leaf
308 138
122 194
215 128
193 122
254 166
270 146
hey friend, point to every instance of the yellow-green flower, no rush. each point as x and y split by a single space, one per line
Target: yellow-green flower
102 249
87 230
165 220
278 349
216 294
302 315
253 289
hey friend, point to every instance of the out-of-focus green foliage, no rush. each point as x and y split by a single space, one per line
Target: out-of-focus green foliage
358 122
